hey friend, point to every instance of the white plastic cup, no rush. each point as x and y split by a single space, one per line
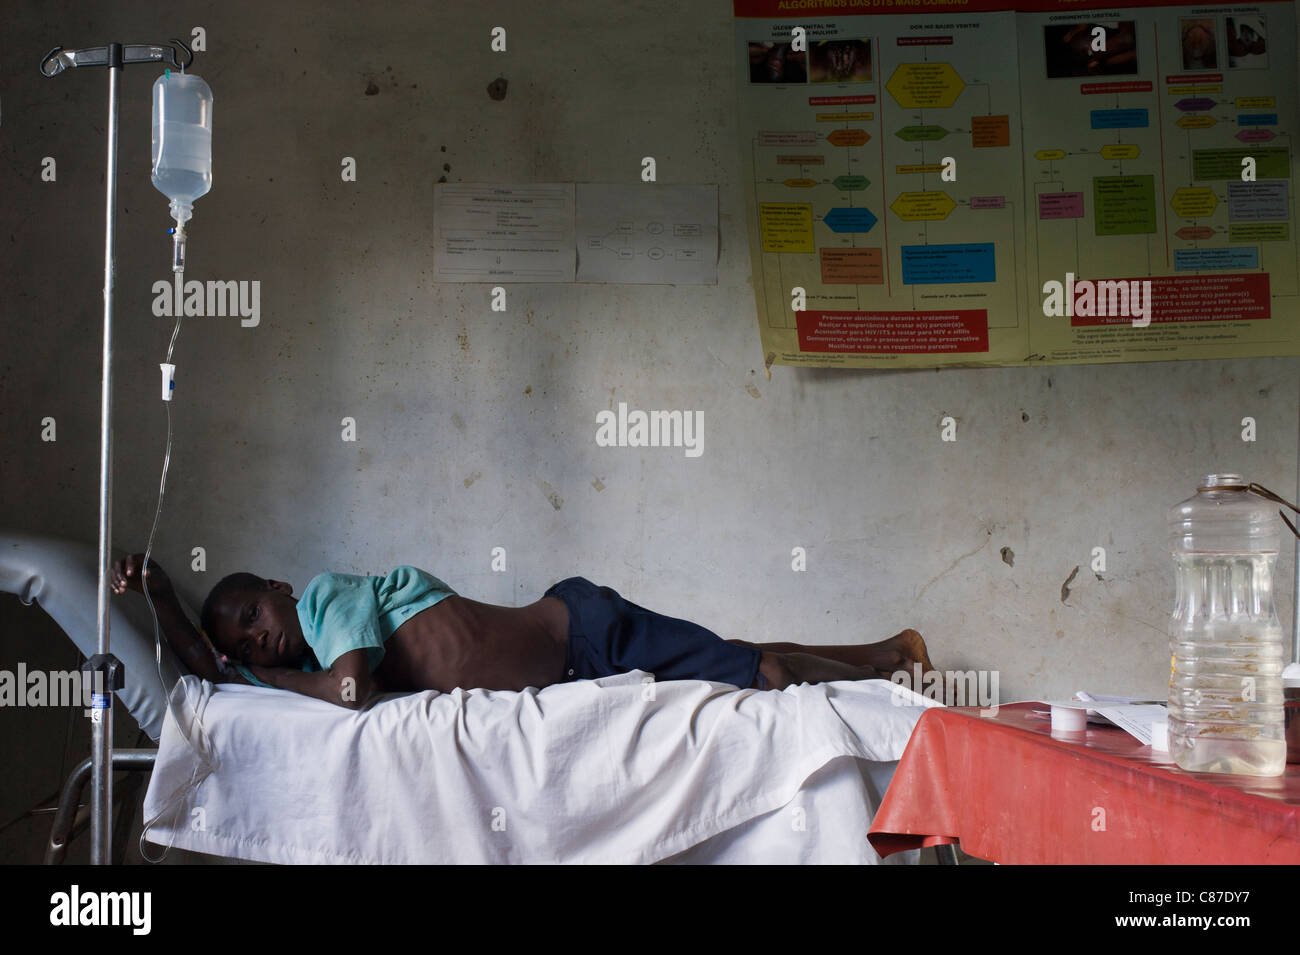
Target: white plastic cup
1069 719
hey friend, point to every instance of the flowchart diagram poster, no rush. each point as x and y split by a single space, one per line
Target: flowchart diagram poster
1167 159
938 183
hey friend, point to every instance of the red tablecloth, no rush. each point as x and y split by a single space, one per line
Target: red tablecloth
1012 793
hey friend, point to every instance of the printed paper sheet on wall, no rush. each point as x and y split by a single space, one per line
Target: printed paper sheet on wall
932 182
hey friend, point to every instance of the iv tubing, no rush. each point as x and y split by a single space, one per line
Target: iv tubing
162 488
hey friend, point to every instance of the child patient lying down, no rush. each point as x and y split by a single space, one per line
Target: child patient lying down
349 637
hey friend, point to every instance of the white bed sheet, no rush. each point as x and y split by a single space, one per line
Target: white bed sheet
601 771
825 823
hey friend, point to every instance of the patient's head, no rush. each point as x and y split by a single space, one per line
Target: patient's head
254 620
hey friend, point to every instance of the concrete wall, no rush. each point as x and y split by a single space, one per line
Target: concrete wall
476 429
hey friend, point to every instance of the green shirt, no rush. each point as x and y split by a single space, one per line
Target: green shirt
344 612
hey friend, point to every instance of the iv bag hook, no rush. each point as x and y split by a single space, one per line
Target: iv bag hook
58 59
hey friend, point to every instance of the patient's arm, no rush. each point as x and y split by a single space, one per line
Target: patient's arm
181 636
348 682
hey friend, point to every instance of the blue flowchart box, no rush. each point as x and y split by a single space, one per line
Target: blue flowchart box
1118 118
1207 260
842 219
945 264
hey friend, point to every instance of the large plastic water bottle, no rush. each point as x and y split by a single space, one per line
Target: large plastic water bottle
182 140
1225 688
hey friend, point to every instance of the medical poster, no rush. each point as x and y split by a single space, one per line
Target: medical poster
936 182
631 234
503 233
599 233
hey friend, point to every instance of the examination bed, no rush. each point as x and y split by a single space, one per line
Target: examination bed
613 770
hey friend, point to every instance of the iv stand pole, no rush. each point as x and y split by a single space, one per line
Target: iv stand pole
104 669
101 726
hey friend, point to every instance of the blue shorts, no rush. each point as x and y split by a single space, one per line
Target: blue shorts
609 635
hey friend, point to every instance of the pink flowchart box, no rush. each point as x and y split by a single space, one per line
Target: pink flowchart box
1060 205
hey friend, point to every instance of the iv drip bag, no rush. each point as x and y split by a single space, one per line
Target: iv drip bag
182 140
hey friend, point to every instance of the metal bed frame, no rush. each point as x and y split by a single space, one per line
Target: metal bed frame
71 818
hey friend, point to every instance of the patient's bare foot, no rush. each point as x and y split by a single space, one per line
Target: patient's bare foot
910 649
907 648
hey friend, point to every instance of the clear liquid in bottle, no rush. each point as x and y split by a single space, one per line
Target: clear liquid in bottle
1225 686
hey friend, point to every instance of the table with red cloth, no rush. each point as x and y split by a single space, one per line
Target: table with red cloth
1010 791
